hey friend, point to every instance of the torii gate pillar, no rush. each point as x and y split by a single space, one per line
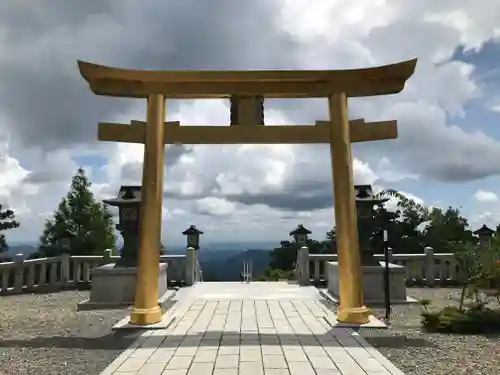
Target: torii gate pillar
146 309
352 308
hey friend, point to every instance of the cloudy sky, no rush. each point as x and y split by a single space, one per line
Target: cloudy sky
448 152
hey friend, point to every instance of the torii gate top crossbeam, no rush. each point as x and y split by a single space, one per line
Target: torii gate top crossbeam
388 79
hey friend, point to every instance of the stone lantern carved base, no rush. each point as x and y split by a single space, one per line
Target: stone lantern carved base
114 287
373 283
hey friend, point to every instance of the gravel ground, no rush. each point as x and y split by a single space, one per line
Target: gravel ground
44 334
419 353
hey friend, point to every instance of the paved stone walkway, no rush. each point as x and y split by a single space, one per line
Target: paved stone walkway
250 337
255 290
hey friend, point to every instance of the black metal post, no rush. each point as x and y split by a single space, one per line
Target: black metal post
387 284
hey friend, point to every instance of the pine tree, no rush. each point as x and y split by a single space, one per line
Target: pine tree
6 222
81 214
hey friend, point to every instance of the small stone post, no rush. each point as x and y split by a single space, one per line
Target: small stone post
19 273
389 254
305 277
65 261
429 266
106 258
190 265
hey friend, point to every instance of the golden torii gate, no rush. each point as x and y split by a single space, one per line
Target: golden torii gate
339 132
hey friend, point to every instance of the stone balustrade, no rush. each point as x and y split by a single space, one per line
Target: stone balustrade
429 268
70 272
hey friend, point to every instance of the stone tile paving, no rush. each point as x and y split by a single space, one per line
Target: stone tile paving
252 291
251 337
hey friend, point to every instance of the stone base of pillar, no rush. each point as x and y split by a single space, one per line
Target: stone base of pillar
114 287
373 283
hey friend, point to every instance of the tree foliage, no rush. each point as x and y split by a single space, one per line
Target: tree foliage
446 228
7 221
411 227
285 257
81 214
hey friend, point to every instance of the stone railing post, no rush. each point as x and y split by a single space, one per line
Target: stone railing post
199 272
296 266
190 265
429 266
106 258
304 274
65 259
18 273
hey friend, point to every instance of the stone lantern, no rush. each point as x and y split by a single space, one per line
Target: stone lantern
300 234
114 284
375 274
366 201
485 234
193 237
285 244
65 241
62 244
128 202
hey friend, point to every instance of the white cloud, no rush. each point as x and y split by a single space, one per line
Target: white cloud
390 174
485 196
214 206
495 107
392 203
14 193
214 181
488 218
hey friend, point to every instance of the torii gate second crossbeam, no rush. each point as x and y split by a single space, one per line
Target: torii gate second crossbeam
320 132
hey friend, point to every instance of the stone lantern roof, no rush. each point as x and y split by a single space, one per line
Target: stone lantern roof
192 230
484 230
128 194
364 193
300 230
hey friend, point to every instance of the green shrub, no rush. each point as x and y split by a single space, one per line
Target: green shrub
274 274
424 303
473 320
479 273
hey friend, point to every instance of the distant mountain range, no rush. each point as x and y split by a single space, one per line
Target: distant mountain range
219 261
20 248
209 247
227 265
